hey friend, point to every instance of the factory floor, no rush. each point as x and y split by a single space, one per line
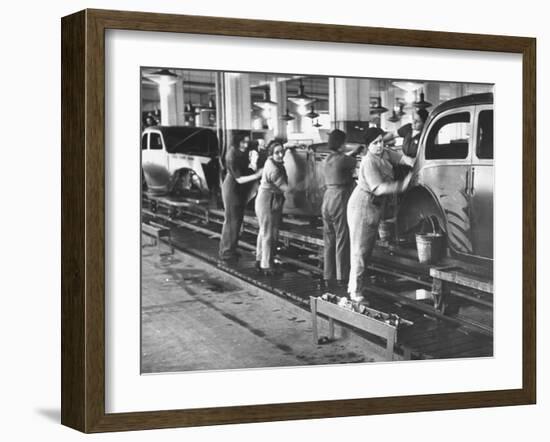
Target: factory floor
195 317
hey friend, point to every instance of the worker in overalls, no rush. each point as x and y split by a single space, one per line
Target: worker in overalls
367 204
269 207
338 169
411 137
234 195
411 132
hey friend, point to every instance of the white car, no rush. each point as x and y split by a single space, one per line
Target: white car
180 160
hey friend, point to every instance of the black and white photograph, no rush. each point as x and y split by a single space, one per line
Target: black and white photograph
299 220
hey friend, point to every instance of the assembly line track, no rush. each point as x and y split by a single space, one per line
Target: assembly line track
294 264
394 265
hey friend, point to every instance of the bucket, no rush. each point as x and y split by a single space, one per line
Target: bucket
386 230
429 247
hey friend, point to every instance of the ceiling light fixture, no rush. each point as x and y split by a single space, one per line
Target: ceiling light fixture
301 99
378 109
422 104
163 77
394 117
312 114
287 116
266 101
407 86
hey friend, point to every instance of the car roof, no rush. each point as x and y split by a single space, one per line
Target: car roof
468 100
179 138
186 130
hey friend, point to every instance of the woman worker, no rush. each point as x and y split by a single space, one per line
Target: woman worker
367 203
269 206
338 171
234 195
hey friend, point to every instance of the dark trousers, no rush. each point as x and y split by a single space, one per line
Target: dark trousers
336 233
233 219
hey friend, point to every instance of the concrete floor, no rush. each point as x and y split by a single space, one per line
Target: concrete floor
195 317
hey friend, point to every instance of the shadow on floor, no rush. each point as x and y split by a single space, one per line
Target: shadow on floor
51 414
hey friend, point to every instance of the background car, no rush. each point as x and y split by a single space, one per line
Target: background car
180 160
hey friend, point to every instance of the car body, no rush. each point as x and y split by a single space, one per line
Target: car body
453 176
304 167
180 160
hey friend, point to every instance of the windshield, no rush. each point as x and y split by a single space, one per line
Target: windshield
190 140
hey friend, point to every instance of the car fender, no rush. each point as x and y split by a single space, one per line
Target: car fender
451 211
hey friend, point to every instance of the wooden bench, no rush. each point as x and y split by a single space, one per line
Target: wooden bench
157 232
358 320
445 277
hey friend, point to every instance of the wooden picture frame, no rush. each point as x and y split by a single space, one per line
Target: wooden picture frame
83 220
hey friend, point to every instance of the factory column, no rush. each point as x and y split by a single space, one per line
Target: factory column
237 101
278 93
237 104
171 103
388 101
349 103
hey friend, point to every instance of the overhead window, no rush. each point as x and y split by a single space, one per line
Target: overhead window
449 137
155 141
484 149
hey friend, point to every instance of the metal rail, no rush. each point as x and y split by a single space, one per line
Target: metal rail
309 244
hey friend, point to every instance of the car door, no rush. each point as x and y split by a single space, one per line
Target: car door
445 171
155 164
144 157
481 185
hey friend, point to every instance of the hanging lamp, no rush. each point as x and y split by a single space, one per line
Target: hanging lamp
287 116
401 111
312 114
378 109
163 77
422 104
301 99
317 124
407 86
266 102
394 117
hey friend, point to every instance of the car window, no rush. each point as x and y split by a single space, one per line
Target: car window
449 137
144 142
484 149
155 141
190 142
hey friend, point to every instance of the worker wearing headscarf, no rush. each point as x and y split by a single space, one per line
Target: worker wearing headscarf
367 204
269 206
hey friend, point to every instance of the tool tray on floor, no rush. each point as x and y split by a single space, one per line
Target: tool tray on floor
359 316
